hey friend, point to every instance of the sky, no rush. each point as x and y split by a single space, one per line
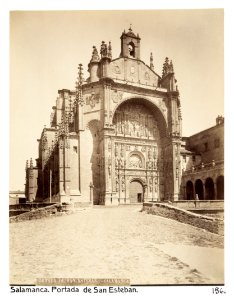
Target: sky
47 46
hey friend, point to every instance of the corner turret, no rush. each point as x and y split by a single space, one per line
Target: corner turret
93 65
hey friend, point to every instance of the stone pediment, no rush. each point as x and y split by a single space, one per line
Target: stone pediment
132 70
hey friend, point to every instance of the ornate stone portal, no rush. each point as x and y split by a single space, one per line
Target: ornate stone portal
136 151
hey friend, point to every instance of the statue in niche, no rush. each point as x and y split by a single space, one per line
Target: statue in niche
150 164
116 150
134 128
122 163
122 151
149 153
156 184
126 126
140 164
151 185
130 127
117 184
122 127
146 130
109 165
123 184
116 163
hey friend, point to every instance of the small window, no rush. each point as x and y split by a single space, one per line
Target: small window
75 149
216 143
131 49
206 146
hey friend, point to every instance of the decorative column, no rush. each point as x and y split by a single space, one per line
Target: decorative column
31 182
64 161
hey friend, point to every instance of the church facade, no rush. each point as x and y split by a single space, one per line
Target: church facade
116 138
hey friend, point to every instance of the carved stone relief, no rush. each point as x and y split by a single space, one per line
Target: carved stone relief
92 99
135 120
116 96
135 161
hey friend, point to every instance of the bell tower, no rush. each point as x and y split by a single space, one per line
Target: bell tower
130 44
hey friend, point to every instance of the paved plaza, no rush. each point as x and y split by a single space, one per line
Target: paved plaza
114 242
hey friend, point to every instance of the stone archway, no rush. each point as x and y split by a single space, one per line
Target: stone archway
136 191
209 189
220 188
189 190
199 189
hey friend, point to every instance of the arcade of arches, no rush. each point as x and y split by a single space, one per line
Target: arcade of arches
209 189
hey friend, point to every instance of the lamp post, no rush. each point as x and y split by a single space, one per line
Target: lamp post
91 186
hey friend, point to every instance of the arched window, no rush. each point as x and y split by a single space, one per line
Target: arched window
189 190
131 49
209 189
199 189
220 188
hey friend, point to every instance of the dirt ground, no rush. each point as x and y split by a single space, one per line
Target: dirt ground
115 242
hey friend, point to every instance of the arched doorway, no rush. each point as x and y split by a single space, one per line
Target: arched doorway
136 193
220 188
199 189
209 189
189 190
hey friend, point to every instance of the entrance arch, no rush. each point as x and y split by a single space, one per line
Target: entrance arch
189 190
139 135
220 188
209 189
136 192
199 189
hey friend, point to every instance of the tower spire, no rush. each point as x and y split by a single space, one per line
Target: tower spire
103 50
171 67
151 61
165 67
79 96
95 56
110 50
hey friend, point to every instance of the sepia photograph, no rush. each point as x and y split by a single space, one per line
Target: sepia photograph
116 148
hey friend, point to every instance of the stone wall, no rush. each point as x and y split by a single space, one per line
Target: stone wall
52 210
209 143
168 211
